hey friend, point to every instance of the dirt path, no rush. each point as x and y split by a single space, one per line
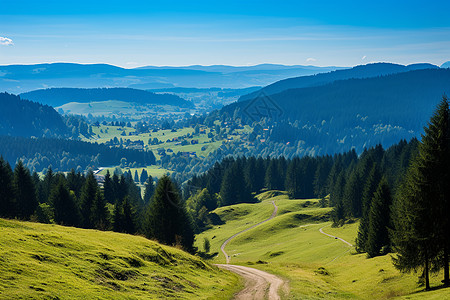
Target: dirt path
227 257
335 237
257 283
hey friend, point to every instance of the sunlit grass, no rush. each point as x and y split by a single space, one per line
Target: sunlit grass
40 261
316 266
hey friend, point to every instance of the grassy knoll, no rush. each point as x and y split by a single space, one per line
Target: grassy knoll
40 261
316 266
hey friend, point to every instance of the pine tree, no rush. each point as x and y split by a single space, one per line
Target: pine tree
128 217
233 189
149 189
24 191
7 201
65 209
379 220
167 220
108 188
144 176
369 190
99 212
136 176
293 180
87 199
421 233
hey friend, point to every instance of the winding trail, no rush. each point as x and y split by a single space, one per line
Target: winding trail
335 237
258 283
228 258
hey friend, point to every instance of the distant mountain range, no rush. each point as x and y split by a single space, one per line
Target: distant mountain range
336 115
23 78
363 71
59 96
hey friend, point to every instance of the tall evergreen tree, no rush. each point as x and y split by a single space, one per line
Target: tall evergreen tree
149 189
65 209
379 220
87 199
108 188
369 190
167 220
7 201
99 212
24 191
144 176
234 189
421 212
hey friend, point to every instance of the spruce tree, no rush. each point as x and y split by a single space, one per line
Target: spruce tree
99 212
149 189
108 188
24 191
369 190
379 220
167 220
65 209
421 211
87 199
7 201
136 176
144 176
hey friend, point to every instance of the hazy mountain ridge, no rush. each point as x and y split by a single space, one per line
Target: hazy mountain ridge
23 78
362 71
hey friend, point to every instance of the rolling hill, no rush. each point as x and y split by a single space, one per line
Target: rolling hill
20 117
351 113
60 96
42 261
316 265
363 71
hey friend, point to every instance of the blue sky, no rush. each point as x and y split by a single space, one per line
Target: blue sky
136 33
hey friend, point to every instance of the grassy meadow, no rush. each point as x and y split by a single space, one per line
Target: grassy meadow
316 266
41 261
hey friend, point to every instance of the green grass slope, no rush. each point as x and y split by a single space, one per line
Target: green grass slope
316 266
40 261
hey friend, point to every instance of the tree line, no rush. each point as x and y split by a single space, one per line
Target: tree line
78 200
62 155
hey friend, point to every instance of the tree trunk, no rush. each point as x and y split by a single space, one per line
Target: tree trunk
446 280
427 275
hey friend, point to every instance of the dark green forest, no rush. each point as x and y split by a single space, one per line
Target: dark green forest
38 154
59 96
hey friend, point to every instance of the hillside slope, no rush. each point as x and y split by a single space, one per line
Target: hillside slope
20 117
317 266
363 71
60 96
40 261
352 113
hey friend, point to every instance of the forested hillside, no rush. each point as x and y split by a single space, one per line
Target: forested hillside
349 113
363 71
25 118
60 96
62 155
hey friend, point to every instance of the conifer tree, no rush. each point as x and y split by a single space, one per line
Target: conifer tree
87 199
65 209
24 191
7 201
99 212
379 220
149 189
144 176
136 176
108 188
369 190
167 220
421 233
